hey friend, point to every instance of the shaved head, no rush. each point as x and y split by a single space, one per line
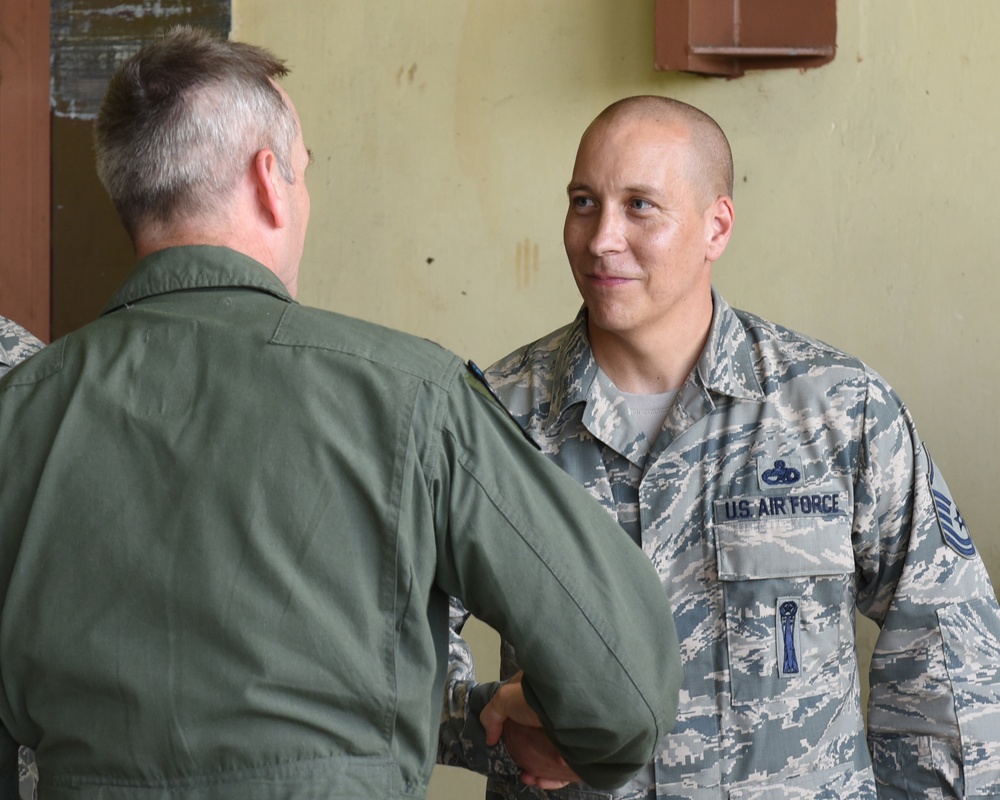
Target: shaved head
650 211
710 168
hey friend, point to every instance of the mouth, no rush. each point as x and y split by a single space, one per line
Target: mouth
609 280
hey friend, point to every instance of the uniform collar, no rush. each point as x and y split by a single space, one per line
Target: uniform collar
16 344
724 368
726 365
576 369
195 267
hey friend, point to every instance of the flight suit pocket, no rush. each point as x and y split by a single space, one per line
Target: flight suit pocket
787 586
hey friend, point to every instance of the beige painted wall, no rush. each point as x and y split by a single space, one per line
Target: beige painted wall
444 133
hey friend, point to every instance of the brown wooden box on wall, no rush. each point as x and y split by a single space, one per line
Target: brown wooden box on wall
727 37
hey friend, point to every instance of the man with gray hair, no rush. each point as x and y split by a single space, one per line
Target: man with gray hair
777 484
227 549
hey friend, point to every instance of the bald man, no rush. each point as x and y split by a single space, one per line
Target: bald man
778 486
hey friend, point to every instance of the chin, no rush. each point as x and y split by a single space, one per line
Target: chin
607 320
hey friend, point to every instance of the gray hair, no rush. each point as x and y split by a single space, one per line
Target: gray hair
182 120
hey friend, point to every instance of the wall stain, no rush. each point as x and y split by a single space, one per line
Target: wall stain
526 263
409 72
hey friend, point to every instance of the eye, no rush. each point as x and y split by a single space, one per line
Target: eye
638 204
581 202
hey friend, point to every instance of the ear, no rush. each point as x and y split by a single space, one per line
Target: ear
272 195
719 219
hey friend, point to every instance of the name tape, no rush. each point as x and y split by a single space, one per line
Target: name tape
780 506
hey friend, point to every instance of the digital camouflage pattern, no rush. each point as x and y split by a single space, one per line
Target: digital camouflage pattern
787 489
27 774
16 344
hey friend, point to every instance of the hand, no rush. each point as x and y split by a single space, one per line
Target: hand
507 703
540 762
509 714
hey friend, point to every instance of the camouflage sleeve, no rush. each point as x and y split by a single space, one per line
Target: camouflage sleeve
16 344
27 774
462 740
934 708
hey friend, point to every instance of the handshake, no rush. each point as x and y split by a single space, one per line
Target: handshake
508 716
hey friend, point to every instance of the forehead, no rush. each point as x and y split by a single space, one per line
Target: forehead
623 151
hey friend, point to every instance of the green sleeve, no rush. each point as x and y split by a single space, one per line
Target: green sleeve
8 766
529 552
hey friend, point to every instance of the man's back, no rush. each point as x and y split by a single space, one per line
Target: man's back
159 417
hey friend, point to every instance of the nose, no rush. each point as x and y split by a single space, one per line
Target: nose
608 235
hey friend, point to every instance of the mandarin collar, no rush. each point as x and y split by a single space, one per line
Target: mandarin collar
195 267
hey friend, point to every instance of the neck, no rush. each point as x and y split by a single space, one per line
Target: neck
654 360
240 221
152 239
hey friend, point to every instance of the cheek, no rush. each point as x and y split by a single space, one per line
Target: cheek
669 245
570 236
574 243
653 248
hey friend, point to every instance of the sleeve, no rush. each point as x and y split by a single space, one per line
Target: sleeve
530 553
462 740
934 706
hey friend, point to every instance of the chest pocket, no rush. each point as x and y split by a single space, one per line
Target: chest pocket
787 582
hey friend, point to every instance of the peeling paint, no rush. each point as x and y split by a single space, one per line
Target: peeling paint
91 38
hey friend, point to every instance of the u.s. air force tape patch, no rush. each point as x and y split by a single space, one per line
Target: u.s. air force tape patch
954 531
794 505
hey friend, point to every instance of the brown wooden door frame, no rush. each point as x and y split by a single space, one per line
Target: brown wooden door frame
25 205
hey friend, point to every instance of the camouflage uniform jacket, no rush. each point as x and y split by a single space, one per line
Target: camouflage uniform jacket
16 344
787 488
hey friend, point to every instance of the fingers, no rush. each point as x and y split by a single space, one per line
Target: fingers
545 784
507 703
492 718
509 716
540 762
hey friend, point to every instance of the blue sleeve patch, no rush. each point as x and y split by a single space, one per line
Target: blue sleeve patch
954 531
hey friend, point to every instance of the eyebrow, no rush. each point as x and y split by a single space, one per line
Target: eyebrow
644 188
639 188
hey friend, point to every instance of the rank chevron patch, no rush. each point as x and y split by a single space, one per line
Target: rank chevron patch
953 528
